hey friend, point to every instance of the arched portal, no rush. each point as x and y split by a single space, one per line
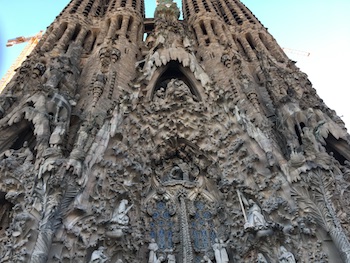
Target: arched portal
174 70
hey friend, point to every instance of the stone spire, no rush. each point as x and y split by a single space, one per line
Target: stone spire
167 8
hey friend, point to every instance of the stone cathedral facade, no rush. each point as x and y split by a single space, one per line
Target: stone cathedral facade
125 139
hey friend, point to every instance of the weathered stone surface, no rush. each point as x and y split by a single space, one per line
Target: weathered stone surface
202 142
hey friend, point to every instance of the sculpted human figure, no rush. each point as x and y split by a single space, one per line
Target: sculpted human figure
12 158
159 96
182 91
98 256
83 142
178 90
311 146
149 67
25 153
120 215
176 173
171 258
56 72
57 136
220 252
255 217
153 247
119 221
223 252
6 101
285 256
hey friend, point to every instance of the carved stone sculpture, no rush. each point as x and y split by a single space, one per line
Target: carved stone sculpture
285 256
261 258
220 252
153 248
200 142
98 256
120 215
171 258
255 217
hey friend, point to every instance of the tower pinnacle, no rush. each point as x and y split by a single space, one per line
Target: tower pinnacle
167 8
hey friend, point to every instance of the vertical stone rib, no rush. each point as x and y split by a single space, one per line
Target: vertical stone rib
64 41
247 48
124 27
210 31
112 29
199 34
187 254
81 36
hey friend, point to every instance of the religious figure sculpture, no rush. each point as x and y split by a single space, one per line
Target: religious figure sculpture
56 138
58 75
159 95
171 258
119 221
153 247
178 90
13 158
98 256
285 256
220 252
177 173
120 215
255 217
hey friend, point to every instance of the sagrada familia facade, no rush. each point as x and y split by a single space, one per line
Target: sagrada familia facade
125 139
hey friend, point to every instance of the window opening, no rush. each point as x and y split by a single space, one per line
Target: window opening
162 226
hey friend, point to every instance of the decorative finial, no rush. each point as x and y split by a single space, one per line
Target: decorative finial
166 7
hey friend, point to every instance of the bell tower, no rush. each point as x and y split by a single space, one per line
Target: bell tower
131 139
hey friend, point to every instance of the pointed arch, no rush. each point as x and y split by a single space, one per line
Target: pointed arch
174 70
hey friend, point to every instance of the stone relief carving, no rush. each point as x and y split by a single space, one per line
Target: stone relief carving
98 256
169 177
261 258
255 219
11 159
285 256
119 222
220 252
153 248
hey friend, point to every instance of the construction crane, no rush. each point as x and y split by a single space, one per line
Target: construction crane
296 52
33 41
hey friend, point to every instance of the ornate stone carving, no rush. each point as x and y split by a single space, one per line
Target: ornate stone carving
285 256
119 221
197 144
98 256
220 252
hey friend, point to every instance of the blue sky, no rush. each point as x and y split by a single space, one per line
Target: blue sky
321 27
